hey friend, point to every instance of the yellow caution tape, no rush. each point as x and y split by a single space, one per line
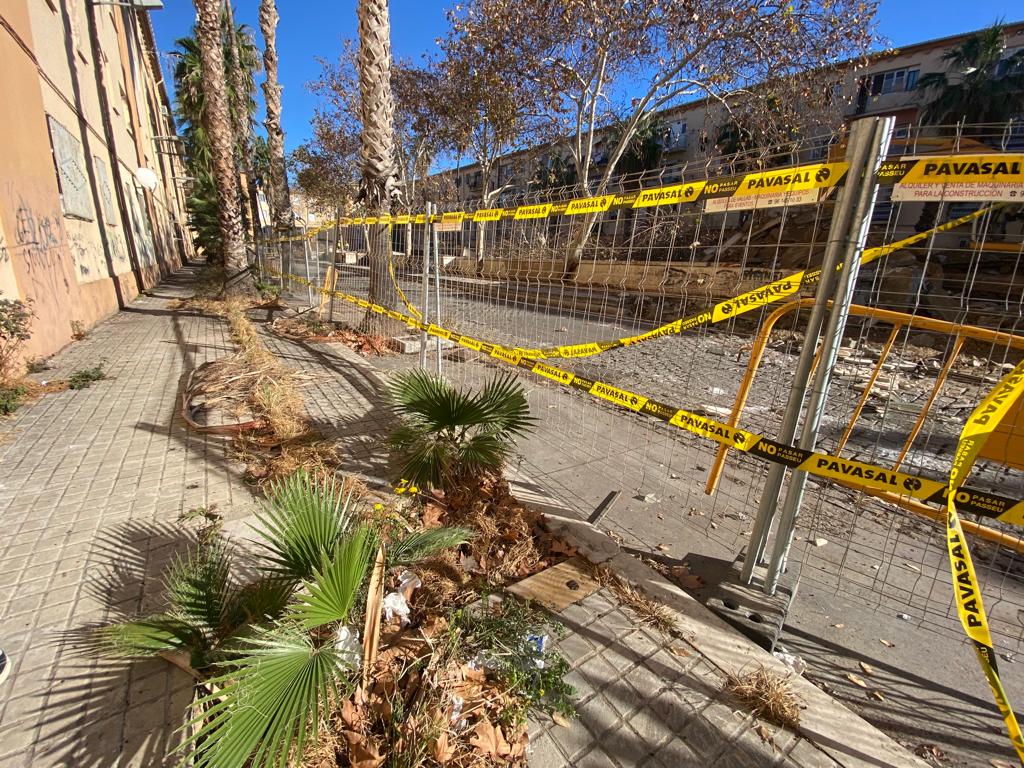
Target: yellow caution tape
982 422
823 465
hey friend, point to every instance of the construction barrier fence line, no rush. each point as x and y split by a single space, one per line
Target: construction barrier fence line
1000 176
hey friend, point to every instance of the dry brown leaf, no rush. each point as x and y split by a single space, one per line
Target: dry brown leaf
678 650
476 674
519 744
856 679
433 514
663 547
762 731
887 643
561 720
838 626
877 696
997 763
559 547
911 567
488 740
868 669
442 750
687 580
362 753
929 750
349 713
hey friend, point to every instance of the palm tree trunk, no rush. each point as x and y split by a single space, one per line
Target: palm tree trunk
378 187
272 98
217 120
240 124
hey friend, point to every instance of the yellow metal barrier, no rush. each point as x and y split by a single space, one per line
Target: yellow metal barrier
899 321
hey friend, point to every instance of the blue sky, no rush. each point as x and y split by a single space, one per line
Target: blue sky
315 28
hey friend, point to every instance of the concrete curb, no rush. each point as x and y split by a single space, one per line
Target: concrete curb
840 733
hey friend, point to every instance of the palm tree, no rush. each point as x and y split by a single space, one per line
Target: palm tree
448 437
979 85
218 126
275 136
378 188
274 653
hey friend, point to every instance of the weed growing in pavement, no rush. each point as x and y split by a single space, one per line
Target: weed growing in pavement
268 290
37 364
509 638
78 331
11 396
15 319
84 378
767 695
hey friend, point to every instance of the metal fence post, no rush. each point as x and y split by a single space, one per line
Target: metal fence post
881 132
860 136
436 252
425 285
334 262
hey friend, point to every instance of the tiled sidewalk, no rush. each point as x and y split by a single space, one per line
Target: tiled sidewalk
91 483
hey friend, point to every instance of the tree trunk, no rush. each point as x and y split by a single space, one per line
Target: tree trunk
240 125
378 187
217 121
275 135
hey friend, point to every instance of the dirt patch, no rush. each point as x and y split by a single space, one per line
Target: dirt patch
310 328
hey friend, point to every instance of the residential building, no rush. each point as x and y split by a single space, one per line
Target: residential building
887 85
92 205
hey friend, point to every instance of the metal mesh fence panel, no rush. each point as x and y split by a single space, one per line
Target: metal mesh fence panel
542 281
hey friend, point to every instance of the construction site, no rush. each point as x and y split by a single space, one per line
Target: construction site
930 325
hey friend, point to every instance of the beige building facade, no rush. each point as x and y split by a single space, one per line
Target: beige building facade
92 203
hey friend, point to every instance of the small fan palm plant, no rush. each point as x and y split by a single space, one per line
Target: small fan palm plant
448 436
273 653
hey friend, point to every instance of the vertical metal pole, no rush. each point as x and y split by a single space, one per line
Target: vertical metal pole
334 262
436 251
841 216
425 285
881 132
305 261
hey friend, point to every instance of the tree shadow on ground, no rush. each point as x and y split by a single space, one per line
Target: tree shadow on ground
100 712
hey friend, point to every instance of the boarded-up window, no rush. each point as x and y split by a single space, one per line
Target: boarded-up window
103 181
71 176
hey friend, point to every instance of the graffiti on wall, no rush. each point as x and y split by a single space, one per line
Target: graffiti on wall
38 243
74 184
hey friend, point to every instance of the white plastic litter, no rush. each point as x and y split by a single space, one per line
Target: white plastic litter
397 603
349 646
795 663
456 707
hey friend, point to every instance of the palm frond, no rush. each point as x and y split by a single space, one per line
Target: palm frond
431 401
504 402
429 458
145 638
271 695
420 545
484 452
261 601
199 587
332 590
304 520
